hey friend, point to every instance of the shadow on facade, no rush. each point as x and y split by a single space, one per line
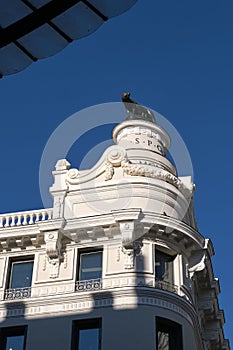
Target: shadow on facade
118 310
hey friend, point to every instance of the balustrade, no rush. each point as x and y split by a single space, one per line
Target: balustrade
25 218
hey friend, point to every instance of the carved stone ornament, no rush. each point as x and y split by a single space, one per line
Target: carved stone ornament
72 176
130 247
128 234
62 164
53 250
129 258
130 254
153 172
58 206
197 262
116 155
111 158
54 267
114 159
109 171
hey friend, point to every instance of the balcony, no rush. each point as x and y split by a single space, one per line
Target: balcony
88 285
105 284
169 287
98 285
17 293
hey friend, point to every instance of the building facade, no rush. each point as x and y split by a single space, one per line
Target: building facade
117 263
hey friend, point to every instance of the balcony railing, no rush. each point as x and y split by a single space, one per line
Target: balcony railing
164 285
25 217
97 284
17 293
104 284
88 285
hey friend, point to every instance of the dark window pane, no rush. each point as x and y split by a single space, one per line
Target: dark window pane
86 335
89 339
90 266
13 338
169 334
15 342
164 266
21 274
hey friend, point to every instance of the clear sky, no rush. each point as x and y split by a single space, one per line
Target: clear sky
175 57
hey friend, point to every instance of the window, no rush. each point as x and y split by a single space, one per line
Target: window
86 335
164 266
13 338
90 265
168 335
20 279
90 270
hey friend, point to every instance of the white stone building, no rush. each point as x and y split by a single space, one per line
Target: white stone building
117 263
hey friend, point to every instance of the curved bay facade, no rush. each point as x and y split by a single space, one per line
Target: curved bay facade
117 263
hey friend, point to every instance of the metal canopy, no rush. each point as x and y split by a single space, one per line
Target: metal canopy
34 29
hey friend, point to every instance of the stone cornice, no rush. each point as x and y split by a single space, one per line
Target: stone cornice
107 221
61 299
151 129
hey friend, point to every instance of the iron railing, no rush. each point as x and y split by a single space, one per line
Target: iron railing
97 284
164 285
17 293
103 284
88 285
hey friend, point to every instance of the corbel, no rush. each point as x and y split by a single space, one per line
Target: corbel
131 232
53 251
131 247
197 262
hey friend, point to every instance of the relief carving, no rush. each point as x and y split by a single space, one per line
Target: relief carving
131 253
109 171
150 171
128 258
130 246
54 254
58 206
54 267
114 159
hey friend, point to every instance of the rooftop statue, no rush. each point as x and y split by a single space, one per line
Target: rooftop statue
135 110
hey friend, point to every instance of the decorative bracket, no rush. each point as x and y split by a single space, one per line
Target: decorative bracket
53 250
197 262
128 234
130 246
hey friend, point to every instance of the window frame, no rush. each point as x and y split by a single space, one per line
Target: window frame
6 332
78 325
175 331
168 254
88 251
11 262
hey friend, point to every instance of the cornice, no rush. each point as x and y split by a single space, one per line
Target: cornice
183 307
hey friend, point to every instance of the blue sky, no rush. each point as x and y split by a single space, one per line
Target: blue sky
175 57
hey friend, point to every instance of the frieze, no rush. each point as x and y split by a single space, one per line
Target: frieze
151 171
78 306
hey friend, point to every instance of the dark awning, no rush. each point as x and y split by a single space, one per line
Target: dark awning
30 30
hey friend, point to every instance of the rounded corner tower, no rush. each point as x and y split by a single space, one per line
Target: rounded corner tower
118 260
156 280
